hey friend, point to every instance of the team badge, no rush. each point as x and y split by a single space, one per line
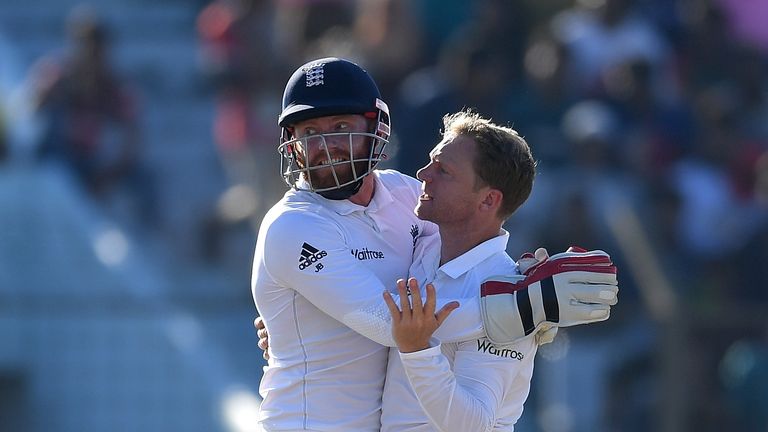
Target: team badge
315 75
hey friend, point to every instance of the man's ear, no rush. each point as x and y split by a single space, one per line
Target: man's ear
492 200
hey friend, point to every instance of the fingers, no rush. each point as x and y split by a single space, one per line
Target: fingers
593 254
591 293
541 254
582 313
416 303
261 332
430 305
444 311
263 343
405 306
546 334
576 249
391 305
258 323
590 277
587 313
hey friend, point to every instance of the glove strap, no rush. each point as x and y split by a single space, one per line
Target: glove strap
525 310
549 299
523 299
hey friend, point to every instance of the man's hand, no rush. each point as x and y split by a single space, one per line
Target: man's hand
413 323
261 332
570 288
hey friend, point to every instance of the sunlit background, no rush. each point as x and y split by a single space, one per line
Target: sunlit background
138 154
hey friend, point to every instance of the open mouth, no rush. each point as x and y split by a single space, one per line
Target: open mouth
330 161
425 197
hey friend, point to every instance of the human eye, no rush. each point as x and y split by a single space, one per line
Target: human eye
307 131
342 126
440 167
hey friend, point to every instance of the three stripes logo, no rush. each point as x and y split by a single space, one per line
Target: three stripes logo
310 255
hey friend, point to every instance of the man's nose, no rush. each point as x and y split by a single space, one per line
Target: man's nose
423 174
333 141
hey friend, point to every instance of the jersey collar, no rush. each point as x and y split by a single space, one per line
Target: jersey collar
381 198
468 260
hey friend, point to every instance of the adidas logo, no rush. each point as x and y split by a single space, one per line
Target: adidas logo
310 255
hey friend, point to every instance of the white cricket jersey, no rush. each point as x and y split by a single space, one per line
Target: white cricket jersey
319 270
470 385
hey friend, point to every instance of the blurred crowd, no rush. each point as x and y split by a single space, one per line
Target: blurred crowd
657 105
648 118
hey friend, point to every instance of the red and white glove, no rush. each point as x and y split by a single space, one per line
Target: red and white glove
570 288
546 331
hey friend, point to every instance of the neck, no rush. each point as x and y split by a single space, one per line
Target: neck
364 196
458 239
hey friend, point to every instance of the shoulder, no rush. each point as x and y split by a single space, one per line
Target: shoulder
290 217
499 263
402 187
393 179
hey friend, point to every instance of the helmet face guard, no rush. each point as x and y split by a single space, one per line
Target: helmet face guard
329 87
297 173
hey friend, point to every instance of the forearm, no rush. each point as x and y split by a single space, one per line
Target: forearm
375 322
448 406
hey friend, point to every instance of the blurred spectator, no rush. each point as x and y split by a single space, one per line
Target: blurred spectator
390 40
751 258
706 33
241 61
604 34
744 375
300 24
440 20
714 222
468 74
10 76
657 129
751 82
91 117
747 21
657 107
542 98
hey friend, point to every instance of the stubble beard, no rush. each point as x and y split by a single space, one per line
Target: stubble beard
323 178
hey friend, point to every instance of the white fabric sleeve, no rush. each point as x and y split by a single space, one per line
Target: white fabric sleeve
469 397
343 288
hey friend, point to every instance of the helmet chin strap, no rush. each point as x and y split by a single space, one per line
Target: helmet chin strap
343 192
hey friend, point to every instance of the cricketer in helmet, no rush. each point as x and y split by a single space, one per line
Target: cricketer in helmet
334 128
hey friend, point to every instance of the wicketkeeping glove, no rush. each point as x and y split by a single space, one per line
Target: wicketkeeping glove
567 289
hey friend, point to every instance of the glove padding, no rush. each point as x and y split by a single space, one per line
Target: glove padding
545 332
567 289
